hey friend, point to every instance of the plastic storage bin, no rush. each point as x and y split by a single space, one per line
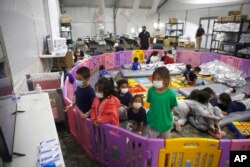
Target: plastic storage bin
52 83
139 54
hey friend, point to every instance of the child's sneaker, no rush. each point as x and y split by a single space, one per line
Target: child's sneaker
177 126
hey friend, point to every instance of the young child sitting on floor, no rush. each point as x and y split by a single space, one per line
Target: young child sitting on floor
105 105
208 115
135 65
125 97
137 114
192 76
153 54
240 102
168 58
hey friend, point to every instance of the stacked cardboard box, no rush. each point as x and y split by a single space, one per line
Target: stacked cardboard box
172 20
232 16
65 18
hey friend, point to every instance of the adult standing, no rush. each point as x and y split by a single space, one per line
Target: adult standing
144 37
200 31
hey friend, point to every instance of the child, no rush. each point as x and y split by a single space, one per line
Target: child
105 105
103 72
187 71
213 97
192 76
125 97
84 94
78 54
137 114
234 104
162 100
183 109
135 65
154 53
207 114
169 59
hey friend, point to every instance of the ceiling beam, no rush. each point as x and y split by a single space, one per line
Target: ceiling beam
163 3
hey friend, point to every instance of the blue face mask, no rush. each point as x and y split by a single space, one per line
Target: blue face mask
79 83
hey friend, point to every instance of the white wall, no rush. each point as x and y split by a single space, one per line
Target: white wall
24 31
54 16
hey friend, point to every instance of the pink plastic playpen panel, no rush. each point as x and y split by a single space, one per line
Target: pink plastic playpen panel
240 145
109 60
233 61
193 58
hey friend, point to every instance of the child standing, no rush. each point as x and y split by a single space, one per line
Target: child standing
137 114
162 100
84 94
135 65
105 105
125 97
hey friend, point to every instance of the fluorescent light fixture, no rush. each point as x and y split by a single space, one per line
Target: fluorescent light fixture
156 25
208 1
140 29
132 30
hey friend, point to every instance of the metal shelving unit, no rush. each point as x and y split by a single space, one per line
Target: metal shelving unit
65 32
234 42
172 29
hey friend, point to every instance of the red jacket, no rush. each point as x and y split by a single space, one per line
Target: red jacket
105 111
168 60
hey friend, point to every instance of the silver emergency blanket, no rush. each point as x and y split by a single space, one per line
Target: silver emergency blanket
223 73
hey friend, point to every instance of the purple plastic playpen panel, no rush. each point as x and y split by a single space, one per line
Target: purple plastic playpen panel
233 61
91 137
125 148
178 55
207 57
154 145
126 58
193 58
77 117
240 145
94 63
225 150
71 118
82 131
109 61
245 66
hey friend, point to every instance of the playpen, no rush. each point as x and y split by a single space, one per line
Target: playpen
113 146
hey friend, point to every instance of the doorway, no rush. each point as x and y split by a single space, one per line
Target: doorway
207 24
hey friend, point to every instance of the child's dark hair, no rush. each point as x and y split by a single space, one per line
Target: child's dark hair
203 97
194 94
134 97
154 53
198 69
188 66
170 52
209 90
136 59
174 46
106 86
225 99
102 67
163 72
84 72
121 82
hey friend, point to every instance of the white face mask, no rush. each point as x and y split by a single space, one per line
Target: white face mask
99 95
79 83
124 90
137 105
158 84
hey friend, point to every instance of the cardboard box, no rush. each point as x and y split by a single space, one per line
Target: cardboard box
191 44
240 17
166 42
234 13
65 18
228 18
172 39
219 18
172 20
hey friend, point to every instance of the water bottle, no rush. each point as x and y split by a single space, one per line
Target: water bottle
38 89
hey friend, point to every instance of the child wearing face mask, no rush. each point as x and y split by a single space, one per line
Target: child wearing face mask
105 105
137 114
84 94
125 97
162 100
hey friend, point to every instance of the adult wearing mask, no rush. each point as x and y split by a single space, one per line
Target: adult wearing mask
144 37
200 31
